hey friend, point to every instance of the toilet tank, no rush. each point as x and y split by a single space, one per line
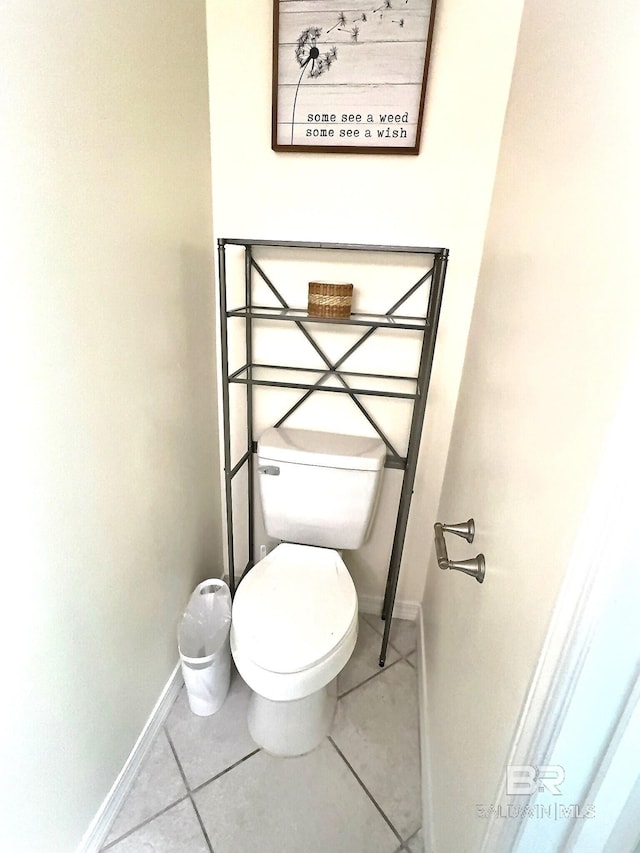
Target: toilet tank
319 488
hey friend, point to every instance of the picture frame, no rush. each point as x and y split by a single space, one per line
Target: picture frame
350 77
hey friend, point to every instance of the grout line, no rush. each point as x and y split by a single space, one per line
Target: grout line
366 790
371 677
204 831
399 652
413 836
186 784
175 755
226 770
381 633
216 776
163 729
188 795
144 822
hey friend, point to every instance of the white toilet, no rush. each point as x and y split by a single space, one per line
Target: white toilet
295 615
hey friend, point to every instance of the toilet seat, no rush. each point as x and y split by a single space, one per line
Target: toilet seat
294 608
294 621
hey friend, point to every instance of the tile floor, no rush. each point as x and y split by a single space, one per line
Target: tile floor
206 788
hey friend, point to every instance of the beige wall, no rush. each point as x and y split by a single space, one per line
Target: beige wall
557 310
110 480
439 198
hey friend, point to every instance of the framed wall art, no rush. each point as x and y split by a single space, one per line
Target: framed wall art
350 77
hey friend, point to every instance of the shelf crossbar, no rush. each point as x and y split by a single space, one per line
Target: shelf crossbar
327 361
356 345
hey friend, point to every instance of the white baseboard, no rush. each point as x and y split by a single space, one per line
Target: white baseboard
425 755
372 605
98 830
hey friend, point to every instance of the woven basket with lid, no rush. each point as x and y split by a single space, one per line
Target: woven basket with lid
329 300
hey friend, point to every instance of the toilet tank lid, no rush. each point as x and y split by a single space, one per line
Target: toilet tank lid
326 449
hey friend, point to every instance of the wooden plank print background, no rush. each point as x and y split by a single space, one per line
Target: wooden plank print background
350 75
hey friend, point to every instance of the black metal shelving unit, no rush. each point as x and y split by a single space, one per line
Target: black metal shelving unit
313 380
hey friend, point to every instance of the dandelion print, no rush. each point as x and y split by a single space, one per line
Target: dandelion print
310 59
354 32
342 22
374 98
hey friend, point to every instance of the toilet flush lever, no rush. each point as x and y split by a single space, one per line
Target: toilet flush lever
272 470
474 567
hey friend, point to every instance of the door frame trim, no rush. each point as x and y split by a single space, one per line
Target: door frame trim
590 577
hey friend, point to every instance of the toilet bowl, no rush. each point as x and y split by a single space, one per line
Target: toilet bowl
294 627
295 614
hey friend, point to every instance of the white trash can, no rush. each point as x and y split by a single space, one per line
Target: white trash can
203 643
